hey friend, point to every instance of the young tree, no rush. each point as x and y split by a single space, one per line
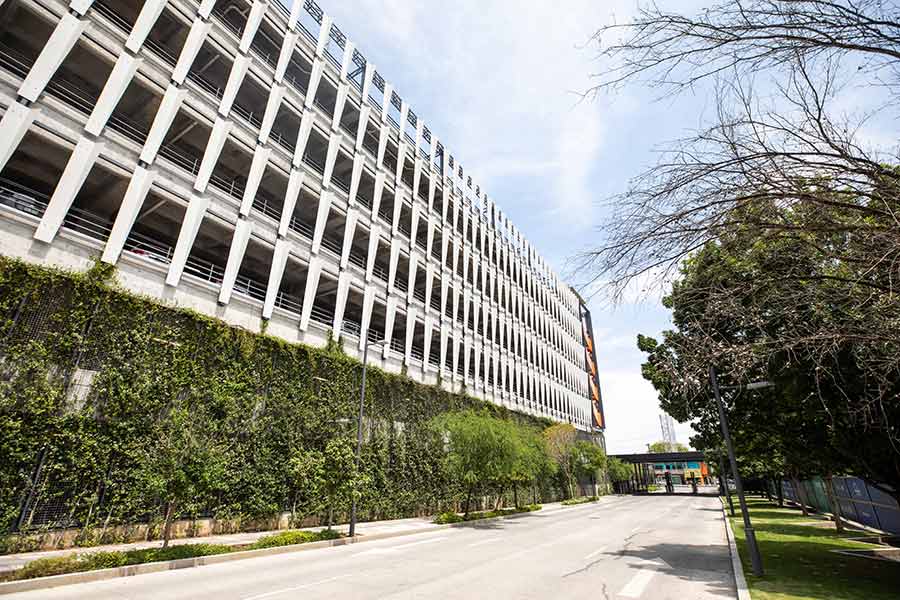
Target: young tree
587 460
307 469
560 440
340 476
618 471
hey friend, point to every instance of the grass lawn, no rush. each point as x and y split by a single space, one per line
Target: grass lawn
799 564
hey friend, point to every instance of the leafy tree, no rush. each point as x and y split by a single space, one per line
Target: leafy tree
307 469
618 470
587 460
532 463
340 477
560 440
658 447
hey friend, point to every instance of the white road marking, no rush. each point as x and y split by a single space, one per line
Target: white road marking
638 584
296 587
401 546
595 553
487 541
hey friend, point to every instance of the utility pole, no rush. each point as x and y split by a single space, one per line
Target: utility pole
755 558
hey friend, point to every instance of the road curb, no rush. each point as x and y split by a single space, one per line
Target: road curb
41 583
740 582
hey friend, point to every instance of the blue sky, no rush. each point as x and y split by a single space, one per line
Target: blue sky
497 82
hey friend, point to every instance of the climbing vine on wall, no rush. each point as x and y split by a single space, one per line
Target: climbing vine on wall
93 378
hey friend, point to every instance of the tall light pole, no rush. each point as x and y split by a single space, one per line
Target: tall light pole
755 558
359 429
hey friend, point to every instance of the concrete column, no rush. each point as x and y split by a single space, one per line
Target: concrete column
13 127
401 161
390 314
466 299
272 106
386 104
334 144
324 32
314 78
382 144
144 23
392 270
235 79
341 99
465 263
398 205
287 50
190 225
445 284
321 219
296 8
349 232
429 285
368 304
64 37
276 272
429 239
313 272
376 197
253 20
80 6
168 108
295 184
446 202
235 257
206 7
364 112
410 330
119 78
374 236
476 313
306 123
356 175
411 283
131 205
414 225
445 240
467 357
442 359
455 342
257 168
347 59
417 174
477 356
455 304
195 38
77 169
426 349
340 304
221 129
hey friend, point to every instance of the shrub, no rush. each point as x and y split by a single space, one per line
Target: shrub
290 538
580 500
447 517
452 517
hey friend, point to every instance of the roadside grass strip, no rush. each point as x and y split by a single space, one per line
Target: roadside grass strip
800 562
452 517
93 561
579 500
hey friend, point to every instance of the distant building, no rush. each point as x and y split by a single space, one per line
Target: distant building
682 472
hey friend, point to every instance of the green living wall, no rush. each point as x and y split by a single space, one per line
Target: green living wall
90 375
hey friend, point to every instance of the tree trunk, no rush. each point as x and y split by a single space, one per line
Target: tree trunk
515 495
835 505
534 493
330 516
801 494
468 500
167 527
779 491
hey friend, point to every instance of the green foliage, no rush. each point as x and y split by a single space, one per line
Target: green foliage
448 517
658 447
185 412
560 443
290 538
452 517
587 459
618 470
579 500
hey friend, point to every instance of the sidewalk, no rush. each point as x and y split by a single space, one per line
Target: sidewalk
11 562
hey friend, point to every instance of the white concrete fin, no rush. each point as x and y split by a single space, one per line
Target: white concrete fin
235 257
417 175
206 7
144 23
287 50
347 59
195 38
390 314
324 33
306 123
295 184
63 38
252 25
443 349
374 236
342 91
420 126
429 285
77 169
349 232
334 144
398 205
313 272
411 276
410 330
272 106
13 127
168 108
294 18
414 224
193 216
358 162
119 78
382 145
404 119
314 78
221 129
401 161
321 219
445 285
80 6
426 339
392 269
235 79
368 74
340 303
364 112
376 197
257 168
386 103
137 190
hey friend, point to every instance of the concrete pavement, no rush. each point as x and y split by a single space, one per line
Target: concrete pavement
652 547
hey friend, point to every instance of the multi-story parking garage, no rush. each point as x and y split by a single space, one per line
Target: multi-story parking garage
244 159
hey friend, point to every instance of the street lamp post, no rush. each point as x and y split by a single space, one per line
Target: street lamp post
755 558
359 429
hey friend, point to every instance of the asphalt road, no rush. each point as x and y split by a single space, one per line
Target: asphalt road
653 547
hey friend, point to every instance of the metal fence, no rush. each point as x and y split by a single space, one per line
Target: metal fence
859 501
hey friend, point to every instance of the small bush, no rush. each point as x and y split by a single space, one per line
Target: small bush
581 500
290 538
447 517
452 517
